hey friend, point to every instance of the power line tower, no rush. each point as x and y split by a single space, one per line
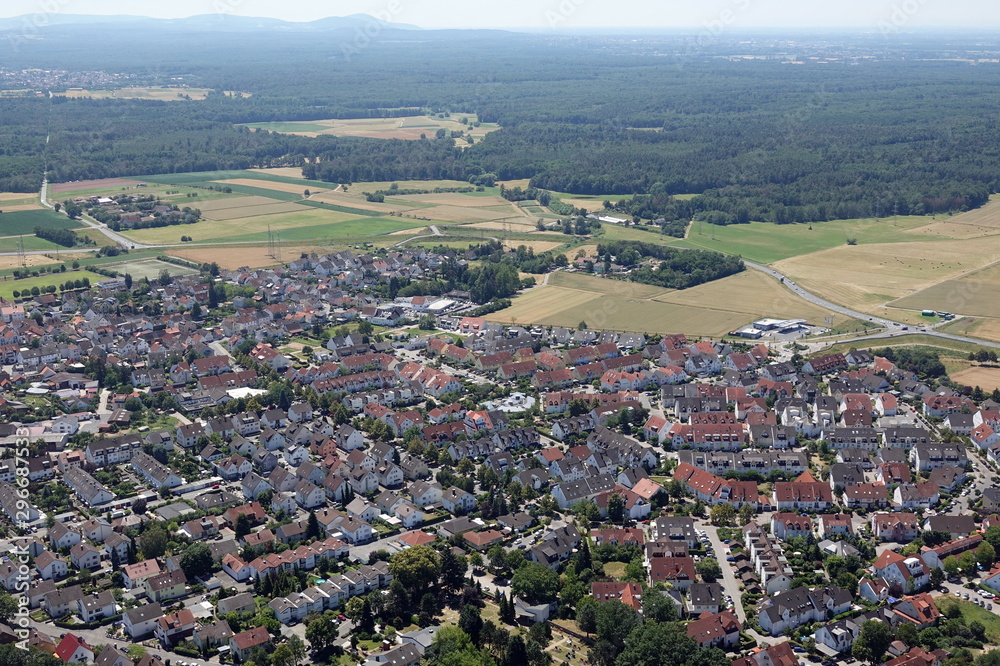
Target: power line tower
22 260
277 246
270 243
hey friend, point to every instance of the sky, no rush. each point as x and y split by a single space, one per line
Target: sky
707 15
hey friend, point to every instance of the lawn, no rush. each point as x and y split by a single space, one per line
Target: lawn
25 221
766 243
7 286
970 612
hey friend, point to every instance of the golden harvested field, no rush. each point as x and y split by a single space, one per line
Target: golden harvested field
287 172
162 94
341 199
457 199
980 327
356 189
751 292
599 285
100 184
987 379
30 259
253 256
538 247
892 269
522 225
523 183
460 214
409 128
291 188
18 197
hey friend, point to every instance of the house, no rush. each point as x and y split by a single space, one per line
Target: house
721 630
678 571
175 627
897 527
919 609
165 586
704 598
910 573
773 655
242 643
74 650
406 654
212 635
134 574
629 594
457 501
839 635
785 525
50 566
799 606
97 606
112 656
140 622
85 556
875 591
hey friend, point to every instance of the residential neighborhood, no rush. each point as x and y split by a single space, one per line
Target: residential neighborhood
286 466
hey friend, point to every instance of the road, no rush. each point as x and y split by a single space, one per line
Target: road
92 223
893 328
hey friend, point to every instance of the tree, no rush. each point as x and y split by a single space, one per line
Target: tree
616 508
322 633
535 583
986 554
242 526
666 644
515 654
937 576
416 568
967 562
312 526
872 642
196 561
154 541
453 568
470 621
723 514
586 614
992 537
615 621
709 569
907 632
658 607
139 506
282 656
8 607
428 609
746 514
498 558
951 565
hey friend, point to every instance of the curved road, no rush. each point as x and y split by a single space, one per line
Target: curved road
894 328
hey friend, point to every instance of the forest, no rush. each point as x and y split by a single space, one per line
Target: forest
881 128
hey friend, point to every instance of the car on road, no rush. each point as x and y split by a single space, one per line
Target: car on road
966 596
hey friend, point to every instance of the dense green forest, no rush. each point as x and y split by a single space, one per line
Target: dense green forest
906 131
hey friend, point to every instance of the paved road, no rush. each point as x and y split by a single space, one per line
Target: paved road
729 582
92 223
894 328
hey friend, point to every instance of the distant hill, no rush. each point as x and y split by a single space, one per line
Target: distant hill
214 22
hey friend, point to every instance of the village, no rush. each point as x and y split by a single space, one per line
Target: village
288 465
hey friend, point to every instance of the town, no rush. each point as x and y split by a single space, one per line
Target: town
282 466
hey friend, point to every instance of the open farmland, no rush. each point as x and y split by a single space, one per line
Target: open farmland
970 294
293 188
88 185
707 310
149 268
987 379
161 94
243 207
24 222
251 256
8 286
410 128
11 202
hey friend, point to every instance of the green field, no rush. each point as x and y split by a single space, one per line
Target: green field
25 221
766 243
8 286
970 612
10 244
150 268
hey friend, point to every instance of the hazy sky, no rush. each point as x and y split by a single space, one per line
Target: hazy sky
566 14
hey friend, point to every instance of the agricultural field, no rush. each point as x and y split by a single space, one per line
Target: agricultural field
163 94
7 285
987 379
12 202
570 298
767 243
970 294
251 256
409 128
92 186
24 222
149 268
